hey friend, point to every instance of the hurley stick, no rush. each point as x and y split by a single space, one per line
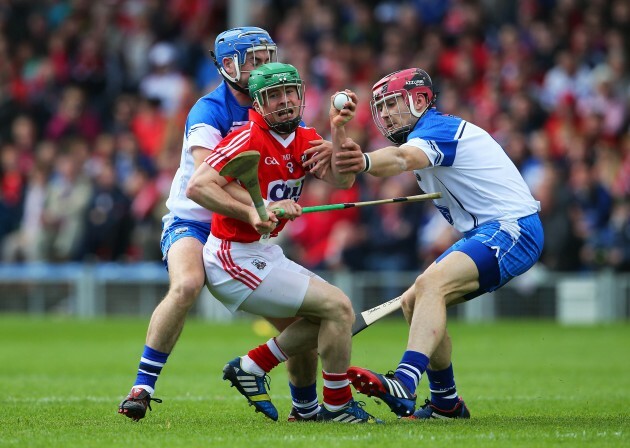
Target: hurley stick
368 317
323 208
244 167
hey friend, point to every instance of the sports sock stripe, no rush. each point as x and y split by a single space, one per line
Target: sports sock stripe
144 360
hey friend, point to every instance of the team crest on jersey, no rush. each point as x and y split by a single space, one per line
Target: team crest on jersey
181 230
259 264
285 189
446 213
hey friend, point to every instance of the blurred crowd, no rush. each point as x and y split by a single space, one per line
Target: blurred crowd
94 96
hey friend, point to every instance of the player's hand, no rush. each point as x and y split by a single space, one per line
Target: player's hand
339 118
291 209
318 157
351 159
263 227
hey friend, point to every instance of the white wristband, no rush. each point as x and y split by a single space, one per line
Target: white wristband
368 163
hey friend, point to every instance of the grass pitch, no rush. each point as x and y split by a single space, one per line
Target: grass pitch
526 383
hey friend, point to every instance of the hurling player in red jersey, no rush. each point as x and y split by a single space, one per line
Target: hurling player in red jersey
246 272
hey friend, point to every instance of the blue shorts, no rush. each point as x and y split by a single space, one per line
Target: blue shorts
501 251
177 229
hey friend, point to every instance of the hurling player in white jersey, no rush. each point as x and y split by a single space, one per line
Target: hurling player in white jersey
187 225
247 274
483 196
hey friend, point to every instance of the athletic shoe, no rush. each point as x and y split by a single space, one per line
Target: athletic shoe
251 387
429 410
386 387
294 416
353 412
136 404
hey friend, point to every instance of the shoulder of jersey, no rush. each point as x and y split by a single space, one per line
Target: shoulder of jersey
307 132
207 107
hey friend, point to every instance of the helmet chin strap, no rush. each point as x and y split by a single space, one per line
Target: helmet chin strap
232 84
400 135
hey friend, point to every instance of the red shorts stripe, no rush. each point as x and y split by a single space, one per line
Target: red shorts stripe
236 272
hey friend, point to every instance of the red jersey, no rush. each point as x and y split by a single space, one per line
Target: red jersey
280 171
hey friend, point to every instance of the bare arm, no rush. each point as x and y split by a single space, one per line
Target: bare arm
393 160
199 154
208 189
318 157
341 143
388 161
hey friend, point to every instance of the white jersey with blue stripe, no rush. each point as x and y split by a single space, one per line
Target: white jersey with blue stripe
211 118
478 181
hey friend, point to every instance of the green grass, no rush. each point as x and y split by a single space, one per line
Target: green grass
526 383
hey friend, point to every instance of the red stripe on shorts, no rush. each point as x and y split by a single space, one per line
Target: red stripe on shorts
236 272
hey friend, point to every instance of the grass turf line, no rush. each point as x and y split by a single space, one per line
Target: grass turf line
527 383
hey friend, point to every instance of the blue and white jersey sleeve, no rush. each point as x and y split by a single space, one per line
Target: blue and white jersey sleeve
211 118
440 147
478 181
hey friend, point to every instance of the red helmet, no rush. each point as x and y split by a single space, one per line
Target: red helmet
393 117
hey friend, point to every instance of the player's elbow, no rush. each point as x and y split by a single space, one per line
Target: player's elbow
193 189
345 182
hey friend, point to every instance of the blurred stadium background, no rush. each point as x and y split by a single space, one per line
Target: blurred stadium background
94 95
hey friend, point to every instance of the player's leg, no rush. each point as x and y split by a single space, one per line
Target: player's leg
327 307
444 401
271 290
186 278
500 252
424 305
302 373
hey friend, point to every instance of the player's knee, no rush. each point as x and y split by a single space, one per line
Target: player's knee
340 308
186 290
425 288
345 310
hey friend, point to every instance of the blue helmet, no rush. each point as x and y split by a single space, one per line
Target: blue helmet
236 43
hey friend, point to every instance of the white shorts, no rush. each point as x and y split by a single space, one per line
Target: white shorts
255 277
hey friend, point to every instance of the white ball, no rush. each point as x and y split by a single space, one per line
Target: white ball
340 99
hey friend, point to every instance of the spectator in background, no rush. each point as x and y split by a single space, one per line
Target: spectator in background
591 208
164 82
568 77
63 216
72 117
12 188
149 126
605 102
19 245
143 190
108 219
24 137
561 252
128 157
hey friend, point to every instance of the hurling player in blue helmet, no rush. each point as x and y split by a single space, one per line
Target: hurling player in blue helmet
186 226
483 196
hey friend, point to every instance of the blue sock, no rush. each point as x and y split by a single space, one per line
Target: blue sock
151 364
305 399
442 387
411 367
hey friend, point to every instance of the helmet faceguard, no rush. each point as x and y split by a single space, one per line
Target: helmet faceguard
393 102
281 85
236 43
